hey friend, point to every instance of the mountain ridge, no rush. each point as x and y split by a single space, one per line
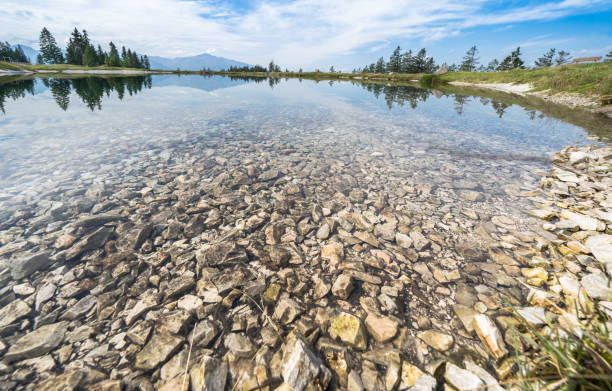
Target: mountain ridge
193 63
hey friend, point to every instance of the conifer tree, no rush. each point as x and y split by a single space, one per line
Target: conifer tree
89 56
407 62
608 56
395 61
51 53
380 66
470 61
563 57
546 60
113 56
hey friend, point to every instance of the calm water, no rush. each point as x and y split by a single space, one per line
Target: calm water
49 127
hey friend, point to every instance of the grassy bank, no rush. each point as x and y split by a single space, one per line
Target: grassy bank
581 78
588 79
60 67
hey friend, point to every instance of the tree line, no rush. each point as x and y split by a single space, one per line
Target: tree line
16 54
80 51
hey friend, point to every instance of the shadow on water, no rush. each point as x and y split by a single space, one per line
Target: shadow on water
91 90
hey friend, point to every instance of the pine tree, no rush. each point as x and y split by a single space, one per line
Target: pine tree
395 61
546 60
89 56
493 65
332 70
113 56
271 66
380 66
512 61
563 57
608 56
100 56
407 63
39 59
75 48
470 61
51 53
146 63
517 62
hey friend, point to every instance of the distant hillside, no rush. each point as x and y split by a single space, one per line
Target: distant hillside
193 63
30 52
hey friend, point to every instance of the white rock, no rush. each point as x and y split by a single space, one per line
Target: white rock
461 379
597 286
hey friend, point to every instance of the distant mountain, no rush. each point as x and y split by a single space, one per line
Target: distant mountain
193 63
30 52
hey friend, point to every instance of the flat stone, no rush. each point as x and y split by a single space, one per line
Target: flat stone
461 379
80 334
466 316
27 264
175 322
601 247
436 339
97 220
190 303
80 308
403 240
210 374
367 237
175 366
139 333
301 368
143 305
382 328
38 342
45 292
12 312
287 310
179 285
157 351
489 335
418 240
425 383
67 381
176 383
204 332
533 315
224 253
239 345
585 223
597 286
470 195
349 329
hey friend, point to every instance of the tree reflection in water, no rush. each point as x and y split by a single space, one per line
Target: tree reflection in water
91 90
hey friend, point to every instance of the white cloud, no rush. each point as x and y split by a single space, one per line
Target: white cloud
294 33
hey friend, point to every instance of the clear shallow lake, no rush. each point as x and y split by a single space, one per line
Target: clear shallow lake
201 188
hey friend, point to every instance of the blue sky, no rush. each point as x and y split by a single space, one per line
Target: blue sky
320 33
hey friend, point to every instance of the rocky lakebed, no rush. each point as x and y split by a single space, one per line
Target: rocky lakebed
332 261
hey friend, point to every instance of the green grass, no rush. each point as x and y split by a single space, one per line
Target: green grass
565 359
588 79
60 67
595 79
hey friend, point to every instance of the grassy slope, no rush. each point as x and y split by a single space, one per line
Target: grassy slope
581 78
59 67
